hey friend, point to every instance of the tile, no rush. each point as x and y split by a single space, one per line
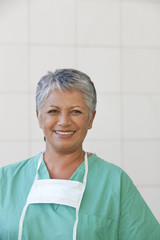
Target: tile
102 65
110 151
98 22
141 71
36 131
141 23
13 151
14 117
52 22
141 1
37 147
14 68
14 21
141 161
44 59
104 0
152 197
141 116
107 123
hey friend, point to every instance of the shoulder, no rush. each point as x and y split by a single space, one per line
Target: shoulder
8 172
109 174
98 165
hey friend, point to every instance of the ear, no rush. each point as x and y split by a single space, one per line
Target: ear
39 118
91 120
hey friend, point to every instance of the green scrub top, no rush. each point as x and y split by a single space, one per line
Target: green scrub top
111 208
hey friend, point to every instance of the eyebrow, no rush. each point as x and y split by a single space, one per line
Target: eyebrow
53 106
58 107
76 106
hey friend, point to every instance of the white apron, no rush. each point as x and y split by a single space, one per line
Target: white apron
65 192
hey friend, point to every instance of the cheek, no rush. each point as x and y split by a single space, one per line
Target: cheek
43 122
86 125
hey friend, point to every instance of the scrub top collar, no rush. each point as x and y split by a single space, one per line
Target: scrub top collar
76 176
66 199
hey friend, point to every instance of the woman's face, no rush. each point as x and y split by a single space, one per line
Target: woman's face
65 119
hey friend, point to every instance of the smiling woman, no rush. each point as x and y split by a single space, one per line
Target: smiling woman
65 193
65 120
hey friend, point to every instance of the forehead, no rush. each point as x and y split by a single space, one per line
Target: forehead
65 97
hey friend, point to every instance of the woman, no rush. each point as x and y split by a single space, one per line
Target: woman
65 193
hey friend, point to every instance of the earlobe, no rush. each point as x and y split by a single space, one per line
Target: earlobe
37 113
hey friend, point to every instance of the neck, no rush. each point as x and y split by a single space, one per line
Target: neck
62 165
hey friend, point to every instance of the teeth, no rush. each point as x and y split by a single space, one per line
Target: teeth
64 133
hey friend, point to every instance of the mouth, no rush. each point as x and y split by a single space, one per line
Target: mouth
64 133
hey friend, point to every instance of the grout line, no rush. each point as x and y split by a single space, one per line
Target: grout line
141 1
117 1
90 140
148 185
76 35
124 139
99 93
121 86
134 47
130 93
29 77
13 92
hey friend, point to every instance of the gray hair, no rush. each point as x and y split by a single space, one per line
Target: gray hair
66 79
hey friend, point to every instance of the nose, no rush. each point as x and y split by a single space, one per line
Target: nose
64 120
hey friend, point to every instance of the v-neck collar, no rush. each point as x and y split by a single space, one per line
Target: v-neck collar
76 176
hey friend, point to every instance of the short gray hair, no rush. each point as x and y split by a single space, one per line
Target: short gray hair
66 79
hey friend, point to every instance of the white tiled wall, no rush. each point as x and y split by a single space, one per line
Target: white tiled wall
48 58
117 43
141 70
98 23
105 74
140 23
14 21
52 22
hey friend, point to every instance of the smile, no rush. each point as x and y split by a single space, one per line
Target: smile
64 133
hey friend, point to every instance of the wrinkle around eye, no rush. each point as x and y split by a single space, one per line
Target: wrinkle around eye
76 112
54 111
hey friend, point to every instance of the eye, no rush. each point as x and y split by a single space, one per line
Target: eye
76 112
53 111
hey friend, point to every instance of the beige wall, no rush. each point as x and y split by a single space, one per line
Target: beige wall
118 44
